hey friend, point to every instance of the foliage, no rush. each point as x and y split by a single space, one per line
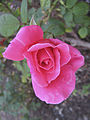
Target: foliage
45 4
1 51
16 97
24 11
71 13
83 92
75 13
80 8
38 15
8 24
70 3
23 68
54 27
83 32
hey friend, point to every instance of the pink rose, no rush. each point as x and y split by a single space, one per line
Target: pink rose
52 63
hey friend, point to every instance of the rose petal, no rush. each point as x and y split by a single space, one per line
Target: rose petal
42 55
29 35
39 46
59 89
77 60
26 36
64 53
14 51
36 75
56 41
56 70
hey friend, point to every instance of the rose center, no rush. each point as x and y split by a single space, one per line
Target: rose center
46 64
45 61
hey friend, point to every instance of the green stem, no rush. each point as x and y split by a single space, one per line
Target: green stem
52 7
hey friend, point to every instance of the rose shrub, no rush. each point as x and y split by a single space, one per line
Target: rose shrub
52 63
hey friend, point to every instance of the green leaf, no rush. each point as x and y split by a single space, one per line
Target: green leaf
80 8
24 79
83 32
22 66
38 15
75 92
86 89
70 3
68 16
1 51
68 30
1 100
30 1
17 12
18 65
79 20
45 4
85 20
62 10
8 24
54 26
31 13
25 67
62 2
24 11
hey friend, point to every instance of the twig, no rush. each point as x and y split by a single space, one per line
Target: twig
75 35
6 6
76 42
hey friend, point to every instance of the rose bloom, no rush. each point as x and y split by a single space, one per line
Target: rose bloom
52 63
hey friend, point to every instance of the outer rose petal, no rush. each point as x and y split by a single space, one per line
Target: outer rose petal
77 60
29 35
64 53
56 41
39 46
26 36
57 90
14 51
